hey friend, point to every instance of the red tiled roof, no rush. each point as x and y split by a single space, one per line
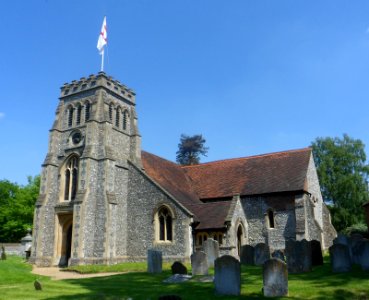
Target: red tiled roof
269 173
211 215
171 177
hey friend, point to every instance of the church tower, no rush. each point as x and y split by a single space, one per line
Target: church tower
81 214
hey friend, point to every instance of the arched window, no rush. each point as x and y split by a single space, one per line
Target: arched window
165 226
79 111
87 111
70 116
117 116
110 112
71 179
270 216
125 117
239 239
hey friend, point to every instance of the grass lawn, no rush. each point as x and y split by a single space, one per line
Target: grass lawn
16 282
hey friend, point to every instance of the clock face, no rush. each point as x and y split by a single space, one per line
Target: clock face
76 138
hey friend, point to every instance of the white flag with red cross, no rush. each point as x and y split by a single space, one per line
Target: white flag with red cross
103 37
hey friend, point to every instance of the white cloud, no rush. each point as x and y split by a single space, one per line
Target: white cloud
2 115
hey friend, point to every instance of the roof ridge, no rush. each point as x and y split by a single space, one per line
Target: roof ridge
247 157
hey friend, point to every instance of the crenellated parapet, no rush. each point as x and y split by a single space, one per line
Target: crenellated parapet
95 81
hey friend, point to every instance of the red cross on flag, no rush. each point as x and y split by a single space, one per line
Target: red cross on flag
103 37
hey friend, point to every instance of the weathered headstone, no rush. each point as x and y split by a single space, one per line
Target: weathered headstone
227 275
316 253
341 239
211 248
340 258
199 263
247 255
298 256
278 254
356 251
275 278
261 254
170 297
178 268
154 261
364 259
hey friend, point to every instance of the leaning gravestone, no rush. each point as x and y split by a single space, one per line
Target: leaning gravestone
278 254
178 268
199 263
316 253
261 254
247 255
211 248
154 261
298 255
364 259
340 258
227 276
275 278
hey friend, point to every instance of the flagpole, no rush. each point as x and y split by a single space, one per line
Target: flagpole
102 61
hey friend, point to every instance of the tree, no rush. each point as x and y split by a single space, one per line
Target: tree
16 208
343 175
190 148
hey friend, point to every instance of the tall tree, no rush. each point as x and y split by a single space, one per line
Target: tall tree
343 175
16 208
190 148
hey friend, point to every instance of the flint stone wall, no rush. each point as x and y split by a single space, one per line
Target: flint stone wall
143 193
283 207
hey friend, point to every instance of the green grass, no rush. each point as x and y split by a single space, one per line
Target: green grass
16 282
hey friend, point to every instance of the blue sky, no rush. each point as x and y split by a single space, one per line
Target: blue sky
251 76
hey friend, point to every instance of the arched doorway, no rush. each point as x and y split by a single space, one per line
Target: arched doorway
64 239
239 239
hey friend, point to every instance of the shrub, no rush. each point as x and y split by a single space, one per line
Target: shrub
356 228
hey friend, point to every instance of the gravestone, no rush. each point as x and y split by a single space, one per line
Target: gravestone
227 276
278 254
316 253
356 251
169 297
340 258
341 239
298 256
154 261
211 248
247 255
199 263
261 254
178 268
275 278
364 259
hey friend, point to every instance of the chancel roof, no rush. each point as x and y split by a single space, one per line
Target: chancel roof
263 174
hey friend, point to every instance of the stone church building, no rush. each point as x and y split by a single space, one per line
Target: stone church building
104 200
